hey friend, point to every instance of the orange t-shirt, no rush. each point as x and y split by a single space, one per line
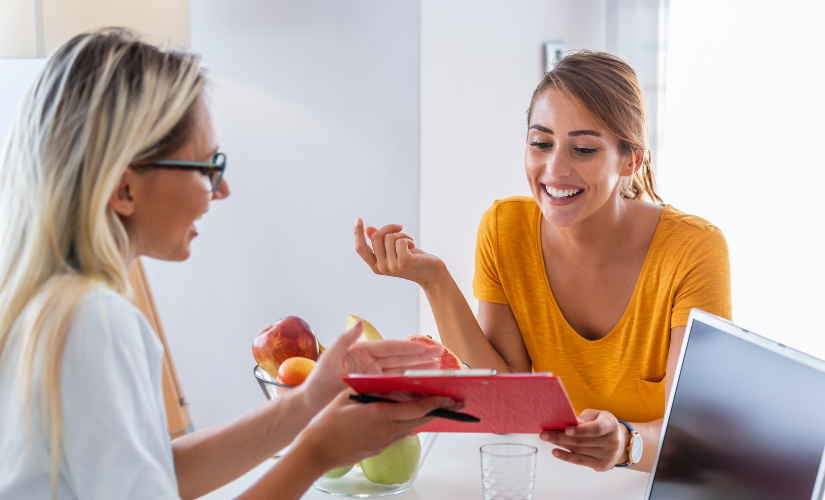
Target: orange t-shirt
686 266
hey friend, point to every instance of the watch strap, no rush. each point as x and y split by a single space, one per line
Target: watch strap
634 434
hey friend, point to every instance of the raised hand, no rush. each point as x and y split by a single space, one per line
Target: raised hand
376 357
394 253
598 442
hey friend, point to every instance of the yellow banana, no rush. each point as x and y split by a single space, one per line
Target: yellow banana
369 333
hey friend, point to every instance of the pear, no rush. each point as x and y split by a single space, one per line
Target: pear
369 333
394 465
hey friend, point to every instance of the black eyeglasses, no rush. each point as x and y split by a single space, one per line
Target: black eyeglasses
214 170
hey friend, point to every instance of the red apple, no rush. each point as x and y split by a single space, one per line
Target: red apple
288 338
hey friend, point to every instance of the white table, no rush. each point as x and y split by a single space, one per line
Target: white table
453 472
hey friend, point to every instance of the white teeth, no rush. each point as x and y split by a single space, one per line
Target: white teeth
561 193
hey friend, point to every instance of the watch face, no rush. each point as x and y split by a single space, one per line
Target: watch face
636 449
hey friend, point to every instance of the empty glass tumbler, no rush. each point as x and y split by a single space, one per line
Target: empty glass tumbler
508 471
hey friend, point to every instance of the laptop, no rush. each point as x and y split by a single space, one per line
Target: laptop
746 419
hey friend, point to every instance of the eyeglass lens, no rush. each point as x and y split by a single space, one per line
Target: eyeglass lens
215 177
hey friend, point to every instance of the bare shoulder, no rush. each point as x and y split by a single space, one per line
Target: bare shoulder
650 212
646 218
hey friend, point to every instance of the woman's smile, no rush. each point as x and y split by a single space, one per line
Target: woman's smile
558 195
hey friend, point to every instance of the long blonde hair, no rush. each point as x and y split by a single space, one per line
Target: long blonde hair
103 100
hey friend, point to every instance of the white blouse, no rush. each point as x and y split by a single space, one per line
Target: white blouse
116 442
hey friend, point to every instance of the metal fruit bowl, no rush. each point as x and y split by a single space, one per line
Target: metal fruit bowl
353 483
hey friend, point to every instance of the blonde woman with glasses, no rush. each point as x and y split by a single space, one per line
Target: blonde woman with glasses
113 156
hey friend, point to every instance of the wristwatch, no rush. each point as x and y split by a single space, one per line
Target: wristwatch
634 448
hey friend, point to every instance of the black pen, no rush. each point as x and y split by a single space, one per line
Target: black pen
441 413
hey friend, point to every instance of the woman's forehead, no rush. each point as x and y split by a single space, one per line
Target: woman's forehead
205 133
555 110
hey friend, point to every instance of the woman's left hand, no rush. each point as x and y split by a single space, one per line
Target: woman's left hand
598 442
376 357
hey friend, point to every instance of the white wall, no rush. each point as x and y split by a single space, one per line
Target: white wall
317 107
480 62
15 75
743 149
318 110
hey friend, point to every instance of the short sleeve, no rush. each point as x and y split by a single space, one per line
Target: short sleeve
116 443
705 282
486 281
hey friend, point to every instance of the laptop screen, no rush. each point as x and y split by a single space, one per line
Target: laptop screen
745 423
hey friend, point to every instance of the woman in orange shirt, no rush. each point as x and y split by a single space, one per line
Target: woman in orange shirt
585 278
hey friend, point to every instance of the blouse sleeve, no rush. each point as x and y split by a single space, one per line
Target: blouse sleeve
705 282
116 442
486 282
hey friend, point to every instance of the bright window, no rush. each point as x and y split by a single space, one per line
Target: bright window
744 147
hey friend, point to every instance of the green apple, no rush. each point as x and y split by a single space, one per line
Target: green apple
394 465
336 473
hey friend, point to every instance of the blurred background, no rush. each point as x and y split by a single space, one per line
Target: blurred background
414 111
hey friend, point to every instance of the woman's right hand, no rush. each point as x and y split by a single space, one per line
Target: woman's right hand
346 432
394 253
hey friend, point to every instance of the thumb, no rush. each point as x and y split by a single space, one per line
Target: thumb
348 338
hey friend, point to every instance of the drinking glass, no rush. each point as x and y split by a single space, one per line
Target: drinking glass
508 471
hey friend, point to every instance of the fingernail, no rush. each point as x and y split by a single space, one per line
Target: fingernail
449 402
570 431
556 453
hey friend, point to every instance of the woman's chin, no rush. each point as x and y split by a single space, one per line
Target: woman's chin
560 216
183 254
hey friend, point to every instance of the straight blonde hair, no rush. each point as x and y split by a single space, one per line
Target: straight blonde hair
103 100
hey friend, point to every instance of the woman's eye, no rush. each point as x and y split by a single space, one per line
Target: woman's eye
586 151
541 146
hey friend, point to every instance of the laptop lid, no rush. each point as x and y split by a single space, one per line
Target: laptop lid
745 420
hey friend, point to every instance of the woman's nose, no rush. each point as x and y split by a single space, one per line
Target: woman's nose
223 190
557 165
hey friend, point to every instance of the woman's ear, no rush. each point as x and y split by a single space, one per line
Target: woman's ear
122 199
634 163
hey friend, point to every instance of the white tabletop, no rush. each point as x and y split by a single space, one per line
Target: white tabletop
453 471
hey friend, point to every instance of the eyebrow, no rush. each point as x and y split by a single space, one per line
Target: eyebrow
541 128
575 133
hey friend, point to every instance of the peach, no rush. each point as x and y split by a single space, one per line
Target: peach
294 371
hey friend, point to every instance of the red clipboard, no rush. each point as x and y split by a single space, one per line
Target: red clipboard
511 403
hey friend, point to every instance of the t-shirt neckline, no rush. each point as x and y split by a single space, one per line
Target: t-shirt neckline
633 297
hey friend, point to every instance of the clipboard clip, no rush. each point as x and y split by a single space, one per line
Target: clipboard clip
478 372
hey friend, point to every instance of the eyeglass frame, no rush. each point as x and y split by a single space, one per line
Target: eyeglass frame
216 166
